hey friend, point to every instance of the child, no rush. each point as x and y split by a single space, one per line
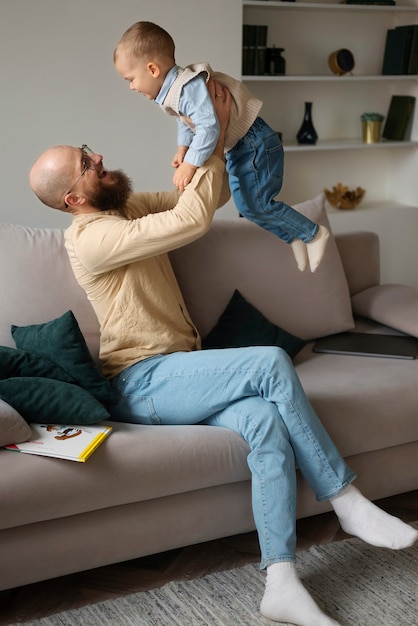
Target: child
254 154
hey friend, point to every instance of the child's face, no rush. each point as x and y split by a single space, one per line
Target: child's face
143 77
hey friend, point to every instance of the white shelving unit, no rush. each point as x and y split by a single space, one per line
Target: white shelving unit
309 32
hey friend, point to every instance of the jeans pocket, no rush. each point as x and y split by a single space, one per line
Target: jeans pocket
132 405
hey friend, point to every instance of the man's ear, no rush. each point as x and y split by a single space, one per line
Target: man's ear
154 69
74 200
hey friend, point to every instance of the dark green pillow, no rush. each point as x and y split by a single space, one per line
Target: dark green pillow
62 342
39 399
242 325
15 362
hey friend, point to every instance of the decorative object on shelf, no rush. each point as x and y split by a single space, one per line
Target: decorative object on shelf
371 127
275 63
341 197
307 133
254 42
341 61
399 118
401 50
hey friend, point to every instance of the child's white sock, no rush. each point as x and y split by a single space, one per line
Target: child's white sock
301 254
316 248
361 518
286 599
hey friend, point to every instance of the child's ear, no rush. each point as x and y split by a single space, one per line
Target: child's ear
154 69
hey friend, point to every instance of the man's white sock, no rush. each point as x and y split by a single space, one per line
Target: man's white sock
361 518
286 599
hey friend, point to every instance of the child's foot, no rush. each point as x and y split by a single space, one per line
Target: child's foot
301 254
361 518
316 248
286 599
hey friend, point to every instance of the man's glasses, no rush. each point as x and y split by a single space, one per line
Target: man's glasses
87 164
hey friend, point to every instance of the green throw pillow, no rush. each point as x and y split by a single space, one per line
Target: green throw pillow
39 399
15 362
62 342
241 325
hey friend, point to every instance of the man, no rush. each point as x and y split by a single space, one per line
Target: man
150 349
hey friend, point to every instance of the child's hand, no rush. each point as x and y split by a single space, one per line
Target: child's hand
179 156
183 176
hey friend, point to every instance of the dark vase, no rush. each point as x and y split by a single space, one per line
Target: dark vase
307 132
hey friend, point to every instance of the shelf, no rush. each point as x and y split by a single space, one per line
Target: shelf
322 6
364 206
348 144
350 78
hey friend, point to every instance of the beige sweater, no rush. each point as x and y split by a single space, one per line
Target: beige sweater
244 109
122 264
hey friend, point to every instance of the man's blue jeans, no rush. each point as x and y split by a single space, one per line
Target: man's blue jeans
254 391
255 170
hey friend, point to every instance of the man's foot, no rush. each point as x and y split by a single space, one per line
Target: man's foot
361 518
316 248
301 254
286 599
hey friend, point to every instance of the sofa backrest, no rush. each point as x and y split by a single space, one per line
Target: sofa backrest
37 283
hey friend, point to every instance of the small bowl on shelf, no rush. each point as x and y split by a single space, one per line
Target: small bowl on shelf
341 197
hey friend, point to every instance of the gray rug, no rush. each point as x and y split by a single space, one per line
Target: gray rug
356 584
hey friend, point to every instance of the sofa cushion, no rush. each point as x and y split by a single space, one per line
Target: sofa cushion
39 399
237 254
13 428
61 341
393 305
242 325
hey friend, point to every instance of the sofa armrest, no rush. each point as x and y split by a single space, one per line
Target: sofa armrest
392 305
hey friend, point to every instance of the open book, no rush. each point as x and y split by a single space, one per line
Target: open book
71 442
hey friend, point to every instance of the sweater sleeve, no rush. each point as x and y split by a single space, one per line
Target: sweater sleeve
106 242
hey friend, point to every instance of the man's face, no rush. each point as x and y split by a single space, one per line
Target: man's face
103 189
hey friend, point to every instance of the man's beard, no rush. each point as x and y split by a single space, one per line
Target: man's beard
111 192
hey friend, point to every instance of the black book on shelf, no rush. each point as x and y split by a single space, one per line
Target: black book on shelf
399 118
401 50
254 43
396 55
410 35
248 49
260 50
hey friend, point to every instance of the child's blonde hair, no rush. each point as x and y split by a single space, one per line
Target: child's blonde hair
145 39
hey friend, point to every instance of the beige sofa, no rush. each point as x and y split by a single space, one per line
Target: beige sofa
152 488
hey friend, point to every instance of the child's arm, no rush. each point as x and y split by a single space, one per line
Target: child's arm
194 150
179 156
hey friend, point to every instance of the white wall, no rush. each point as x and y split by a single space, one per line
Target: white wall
58 85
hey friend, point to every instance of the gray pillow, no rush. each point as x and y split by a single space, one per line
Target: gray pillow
13 428
237 254
393 305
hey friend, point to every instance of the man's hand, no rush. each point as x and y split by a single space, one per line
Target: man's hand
179 156
183 176
221 99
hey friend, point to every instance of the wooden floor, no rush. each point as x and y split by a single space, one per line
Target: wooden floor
76 590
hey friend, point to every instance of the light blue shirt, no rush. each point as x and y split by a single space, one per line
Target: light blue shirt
195 102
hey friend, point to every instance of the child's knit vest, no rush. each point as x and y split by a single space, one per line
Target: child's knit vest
244 107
